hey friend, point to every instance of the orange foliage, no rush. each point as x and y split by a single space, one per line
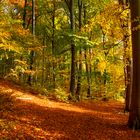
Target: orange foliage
19 2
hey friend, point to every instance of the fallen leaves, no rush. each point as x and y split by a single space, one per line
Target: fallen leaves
42 119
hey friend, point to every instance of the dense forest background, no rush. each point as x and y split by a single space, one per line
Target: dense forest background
78 47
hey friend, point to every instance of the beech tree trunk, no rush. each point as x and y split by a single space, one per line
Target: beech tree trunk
88 67
128 86
32 54
88 74
134 115
80 53
24 14
126 56
72 79
21 76
53 45
127 72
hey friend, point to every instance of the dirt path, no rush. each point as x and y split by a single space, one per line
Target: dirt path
24 116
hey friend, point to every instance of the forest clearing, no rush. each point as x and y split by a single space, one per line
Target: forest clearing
24 116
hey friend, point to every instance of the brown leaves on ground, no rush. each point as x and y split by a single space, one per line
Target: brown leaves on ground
27 117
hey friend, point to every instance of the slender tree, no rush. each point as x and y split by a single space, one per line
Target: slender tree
53 42
24 13
87 63
72 26
33 32
80 7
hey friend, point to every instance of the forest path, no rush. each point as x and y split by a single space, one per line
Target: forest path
24 116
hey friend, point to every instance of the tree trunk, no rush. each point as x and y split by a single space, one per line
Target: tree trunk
80 53
88 69
88 75
24 14
72 80
127 71
21 78
134 115
126 57
128 86
32 54
43 61
53 45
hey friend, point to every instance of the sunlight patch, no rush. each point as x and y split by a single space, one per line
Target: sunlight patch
24 98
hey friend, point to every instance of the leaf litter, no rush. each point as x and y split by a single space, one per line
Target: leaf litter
24 116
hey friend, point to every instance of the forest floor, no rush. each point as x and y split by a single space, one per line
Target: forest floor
24 116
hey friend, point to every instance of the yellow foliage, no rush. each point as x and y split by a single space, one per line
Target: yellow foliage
102 66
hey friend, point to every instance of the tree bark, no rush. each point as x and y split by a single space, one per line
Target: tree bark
126 57
88 75
80 53
88 67
134 115
53 44
32 54
72 79
24 14
128 86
